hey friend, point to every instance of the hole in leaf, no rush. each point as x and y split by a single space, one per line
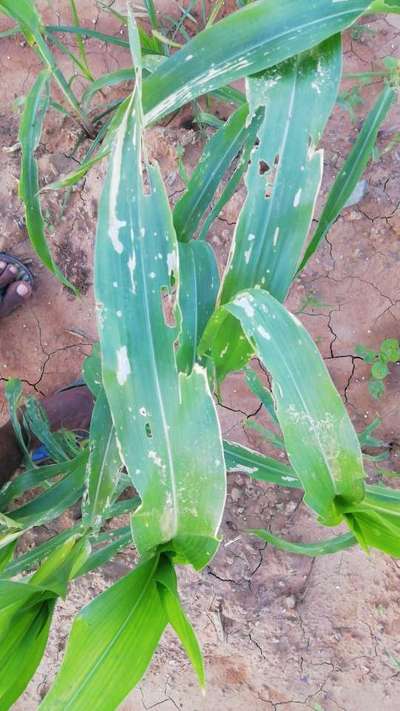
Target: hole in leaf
270 177
263 167
148 431
168 300
188 123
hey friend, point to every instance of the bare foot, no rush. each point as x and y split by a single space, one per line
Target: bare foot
15 292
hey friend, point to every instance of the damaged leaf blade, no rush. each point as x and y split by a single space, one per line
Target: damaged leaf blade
166 423
256 37
198 288
283 182
103 465
320 440
352 170
217 156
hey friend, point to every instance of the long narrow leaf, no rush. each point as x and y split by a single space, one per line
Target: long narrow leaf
352 170
110 645
257 466
308 406
31 26
217 156
103 465
13 393
282 182
326 547
26 612
167 589
30 131
234 180
257 37
34 478
166 423
199 282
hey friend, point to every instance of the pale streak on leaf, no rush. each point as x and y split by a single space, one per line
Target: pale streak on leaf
166 423
320 440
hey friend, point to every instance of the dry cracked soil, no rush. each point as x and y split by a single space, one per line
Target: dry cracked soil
279 631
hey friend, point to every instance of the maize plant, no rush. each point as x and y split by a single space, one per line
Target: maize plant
170 331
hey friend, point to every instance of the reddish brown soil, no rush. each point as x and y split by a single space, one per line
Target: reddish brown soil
278 630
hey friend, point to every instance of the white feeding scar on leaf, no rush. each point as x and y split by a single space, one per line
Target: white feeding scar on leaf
123 365
115 225
172 262
263 333
297 198
155 458
276 236
244 302
247 255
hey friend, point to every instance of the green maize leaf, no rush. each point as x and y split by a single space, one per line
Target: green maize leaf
86 32
242 459
392 6
234 180
77 175
74 59
25 14
365 438
352 170
26 611
152 13
22 649
375 521
257 388
198 288
74 177
9 33
30 130
31 558
217 156
13 393
104 464
111 79
265 433
6 556
283 182
166 423
92 371
33 478
57 570
308 406
167 589
53 502
248 41
80 43
57 444
229 95
9 531
100 557
111 644
149 45
326 547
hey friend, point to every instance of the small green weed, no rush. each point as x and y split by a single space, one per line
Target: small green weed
379 361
